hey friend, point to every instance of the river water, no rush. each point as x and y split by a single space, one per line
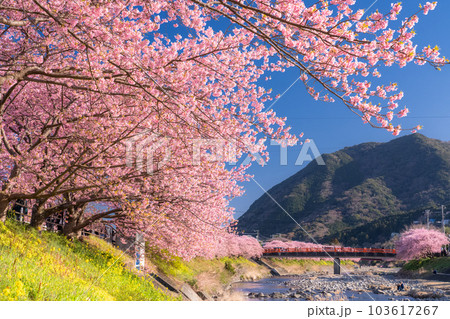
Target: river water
313 286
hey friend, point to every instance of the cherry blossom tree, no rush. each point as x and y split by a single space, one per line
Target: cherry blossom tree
80 79
234 245
335 46
291 244
418 243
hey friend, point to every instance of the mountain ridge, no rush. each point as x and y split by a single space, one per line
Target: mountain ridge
358 185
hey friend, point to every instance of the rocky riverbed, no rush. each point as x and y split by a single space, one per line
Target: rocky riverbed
371 284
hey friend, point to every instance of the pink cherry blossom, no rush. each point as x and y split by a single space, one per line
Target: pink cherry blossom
419 242
429 6
81 79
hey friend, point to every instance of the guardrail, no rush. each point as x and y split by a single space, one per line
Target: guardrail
343 250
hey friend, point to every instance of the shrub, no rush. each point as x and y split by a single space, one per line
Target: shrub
230 267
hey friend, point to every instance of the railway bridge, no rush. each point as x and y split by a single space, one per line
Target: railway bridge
337 253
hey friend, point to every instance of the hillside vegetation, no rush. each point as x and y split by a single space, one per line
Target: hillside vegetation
378 230
361 188
47 266
212 276
440 264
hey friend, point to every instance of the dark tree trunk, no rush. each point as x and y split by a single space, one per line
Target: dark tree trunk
3 210
4 200
72 228
37 214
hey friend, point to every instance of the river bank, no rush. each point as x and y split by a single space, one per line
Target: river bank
47 266
238 278
358 284
215 279
299 279
210 279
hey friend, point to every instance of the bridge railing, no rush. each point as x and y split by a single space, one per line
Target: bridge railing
330 250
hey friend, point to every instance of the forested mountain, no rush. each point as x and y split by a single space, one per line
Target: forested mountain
359 187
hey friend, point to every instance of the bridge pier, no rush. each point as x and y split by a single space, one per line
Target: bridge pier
337 266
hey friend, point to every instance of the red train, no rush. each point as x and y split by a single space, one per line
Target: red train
330 249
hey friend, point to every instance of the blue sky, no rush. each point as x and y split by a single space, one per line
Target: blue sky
332 126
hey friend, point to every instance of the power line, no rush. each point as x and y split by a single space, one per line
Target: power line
353 117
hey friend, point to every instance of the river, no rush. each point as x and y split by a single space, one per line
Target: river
369 285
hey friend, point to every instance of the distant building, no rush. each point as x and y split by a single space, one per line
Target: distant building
278 235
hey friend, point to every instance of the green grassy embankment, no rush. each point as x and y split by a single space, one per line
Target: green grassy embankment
214 276
48 266
427 265
210 276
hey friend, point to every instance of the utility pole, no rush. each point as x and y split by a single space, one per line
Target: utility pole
257 234
443 226
428 218
139 251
